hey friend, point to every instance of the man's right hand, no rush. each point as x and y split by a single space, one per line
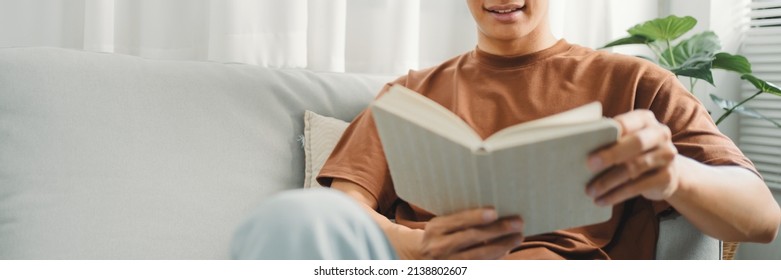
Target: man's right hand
470 234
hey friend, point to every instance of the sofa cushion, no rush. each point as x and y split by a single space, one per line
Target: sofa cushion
321 134
108 156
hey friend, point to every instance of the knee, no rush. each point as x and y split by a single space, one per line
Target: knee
305 207
294 218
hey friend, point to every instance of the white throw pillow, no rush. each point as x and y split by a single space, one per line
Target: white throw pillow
320 137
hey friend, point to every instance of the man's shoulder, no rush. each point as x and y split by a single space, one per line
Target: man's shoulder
619 63
416 77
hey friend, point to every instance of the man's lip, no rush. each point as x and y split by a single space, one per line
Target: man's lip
510 14
504 7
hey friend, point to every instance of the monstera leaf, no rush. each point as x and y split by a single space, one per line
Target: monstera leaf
705 44
631 40
734 63
697 66
762 85
693 57
669 28
733 107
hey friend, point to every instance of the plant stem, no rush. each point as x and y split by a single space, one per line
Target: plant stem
670 50
657 52
692 84
736 106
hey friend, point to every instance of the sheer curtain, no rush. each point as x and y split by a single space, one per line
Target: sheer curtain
367 36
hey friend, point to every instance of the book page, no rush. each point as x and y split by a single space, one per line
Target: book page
583 114
540 134
427 168
403 103
545 181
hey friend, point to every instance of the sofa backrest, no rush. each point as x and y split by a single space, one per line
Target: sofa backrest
106 156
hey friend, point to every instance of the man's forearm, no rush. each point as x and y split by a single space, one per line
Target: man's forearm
727 202
402 238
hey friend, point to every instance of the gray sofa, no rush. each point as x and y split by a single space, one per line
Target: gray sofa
106 156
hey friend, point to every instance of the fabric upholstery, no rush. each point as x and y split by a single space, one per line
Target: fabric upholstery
680 240
107 156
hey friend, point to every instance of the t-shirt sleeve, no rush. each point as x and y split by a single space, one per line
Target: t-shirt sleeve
694 133
358 157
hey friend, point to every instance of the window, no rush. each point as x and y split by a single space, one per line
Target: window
760 140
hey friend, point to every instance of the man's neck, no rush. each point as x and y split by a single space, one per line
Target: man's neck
533 42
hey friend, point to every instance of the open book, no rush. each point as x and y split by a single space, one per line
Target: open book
535 169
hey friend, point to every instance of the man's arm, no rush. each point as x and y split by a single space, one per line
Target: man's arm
471 234
726 202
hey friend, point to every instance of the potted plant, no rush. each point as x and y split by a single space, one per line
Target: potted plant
695 57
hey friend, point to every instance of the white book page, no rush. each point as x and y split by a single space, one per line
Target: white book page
545 181
583 114
416 108
522 137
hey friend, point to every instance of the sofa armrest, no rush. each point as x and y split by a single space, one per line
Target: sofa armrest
680 240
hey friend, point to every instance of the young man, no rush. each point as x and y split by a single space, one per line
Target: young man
670 155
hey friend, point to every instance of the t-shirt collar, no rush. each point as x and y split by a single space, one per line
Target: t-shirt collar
499 61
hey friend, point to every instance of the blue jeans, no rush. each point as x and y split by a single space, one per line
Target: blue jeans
311 224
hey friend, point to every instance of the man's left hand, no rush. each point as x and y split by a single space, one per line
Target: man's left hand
641 162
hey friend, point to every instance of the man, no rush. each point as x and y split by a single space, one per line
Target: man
670 154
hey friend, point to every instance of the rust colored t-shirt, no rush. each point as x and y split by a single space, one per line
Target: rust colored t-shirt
492 92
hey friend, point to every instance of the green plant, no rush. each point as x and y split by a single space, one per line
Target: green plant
695 57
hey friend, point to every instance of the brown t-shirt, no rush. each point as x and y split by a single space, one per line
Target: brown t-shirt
492 92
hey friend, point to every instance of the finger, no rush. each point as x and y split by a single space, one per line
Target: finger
656 179
635 120
607 181
445 224
491 250
659 157
632 169
629 147
477 235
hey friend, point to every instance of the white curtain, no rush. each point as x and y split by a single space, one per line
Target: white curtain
367 36
593 23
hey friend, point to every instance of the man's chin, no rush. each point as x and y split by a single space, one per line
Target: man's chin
508 35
